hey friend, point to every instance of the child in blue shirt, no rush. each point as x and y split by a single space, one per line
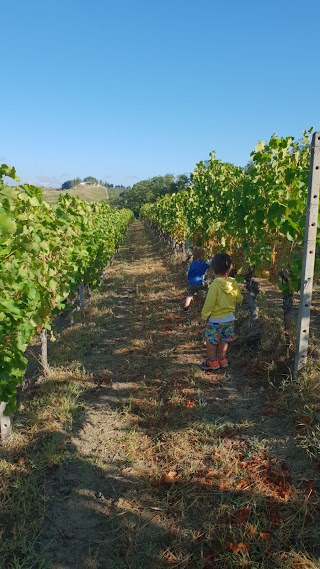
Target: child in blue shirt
196 273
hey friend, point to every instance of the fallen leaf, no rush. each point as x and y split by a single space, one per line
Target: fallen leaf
171 477
264 536
188 403
252 529
284 494
304 420
239 547
246 483
243 514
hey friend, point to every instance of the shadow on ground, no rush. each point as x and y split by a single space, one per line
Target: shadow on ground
141 485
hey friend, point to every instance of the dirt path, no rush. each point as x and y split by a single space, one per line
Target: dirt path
165 456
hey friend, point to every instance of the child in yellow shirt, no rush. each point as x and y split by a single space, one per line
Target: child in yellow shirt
218 310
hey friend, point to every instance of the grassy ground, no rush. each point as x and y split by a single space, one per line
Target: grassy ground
129 456
87 193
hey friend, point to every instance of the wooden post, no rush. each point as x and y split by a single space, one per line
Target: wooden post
71 317
187 248
252 287
309 251
44 349
287 307
5 422
81 295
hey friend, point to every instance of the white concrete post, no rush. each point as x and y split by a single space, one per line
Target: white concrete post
5 422
309 252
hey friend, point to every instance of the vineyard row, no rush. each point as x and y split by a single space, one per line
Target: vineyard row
46 252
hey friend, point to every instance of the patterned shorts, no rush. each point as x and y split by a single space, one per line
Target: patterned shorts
216 332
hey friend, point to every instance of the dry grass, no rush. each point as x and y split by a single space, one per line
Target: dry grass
167 466
87 193
39 445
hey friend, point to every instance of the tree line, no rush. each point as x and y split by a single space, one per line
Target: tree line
148 191
144 191
68 184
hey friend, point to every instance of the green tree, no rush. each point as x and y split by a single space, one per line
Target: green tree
70 184
148 191
90 180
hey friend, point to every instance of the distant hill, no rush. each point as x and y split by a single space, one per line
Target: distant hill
116 191
88 193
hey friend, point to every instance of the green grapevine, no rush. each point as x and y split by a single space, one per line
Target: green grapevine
46 251
255 213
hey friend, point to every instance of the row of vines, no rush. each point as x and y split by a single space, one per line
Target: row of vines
46 252
257 213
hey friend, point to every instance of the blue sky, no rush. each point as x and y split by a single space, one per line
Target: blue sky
130 89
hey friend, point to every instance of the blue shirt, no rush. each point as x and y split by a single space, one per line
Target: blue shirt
196 272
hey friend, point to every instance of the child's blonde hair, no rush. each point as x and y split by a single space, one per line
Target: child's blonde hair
197 254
